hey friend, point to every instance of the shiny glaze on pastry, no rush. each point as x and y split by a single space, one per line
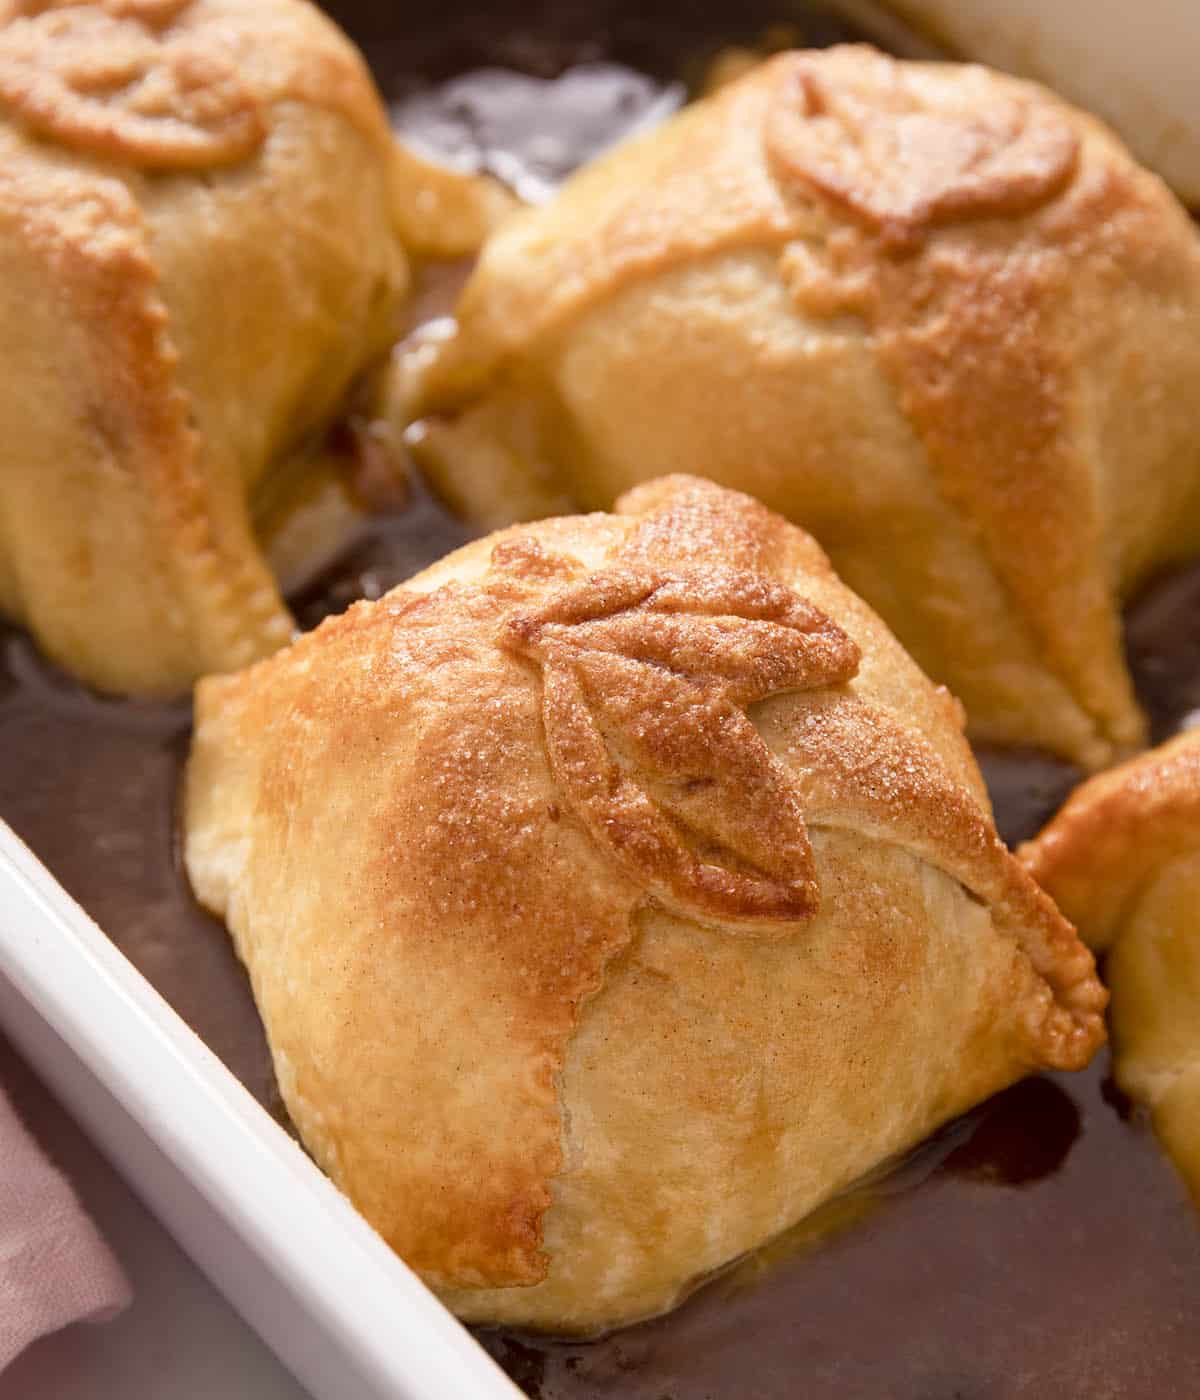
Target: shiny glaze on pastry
931 313
198 255
613 893
1123 860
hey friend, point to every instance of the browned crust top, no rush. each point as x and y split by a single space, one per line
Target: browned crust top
787 152
646 673
173 84
906 147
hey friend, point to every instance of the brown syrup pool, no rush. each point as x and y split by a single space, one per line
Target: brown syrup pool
1041 1247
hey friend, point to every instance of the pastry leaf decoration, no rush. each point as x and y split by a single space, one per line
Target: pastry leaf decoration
115 79
646 677
904 149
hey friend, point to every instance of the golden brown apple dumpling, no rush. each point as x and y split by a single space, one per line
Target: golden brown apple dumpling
198 255
931 313
613 894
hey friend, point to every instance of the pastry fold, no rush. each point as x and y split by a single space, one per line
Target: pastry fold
933 314
613 893
1122 858
199 254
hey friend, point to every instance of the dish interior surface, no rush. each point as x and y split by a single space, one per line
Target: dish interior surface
1041 1246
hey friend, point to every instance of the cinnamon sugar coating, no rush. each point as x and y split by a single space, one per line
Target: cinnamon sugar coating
613 893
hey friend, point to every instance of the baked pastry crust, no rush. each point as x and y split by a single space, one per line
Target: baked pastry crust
1115 833
198 255
931 313
1123 860
613 893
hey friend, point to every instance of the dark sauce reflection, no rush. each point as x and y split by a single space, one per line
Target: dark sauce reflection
1026 787
1020 1136
1162 640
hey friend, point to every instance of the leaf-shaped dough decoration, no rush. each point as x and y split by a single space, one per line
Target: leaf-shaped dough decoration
646 677
907 147
112 78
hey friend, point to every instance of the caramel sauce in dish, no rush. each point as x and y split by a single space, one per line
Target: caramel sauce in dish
1041 1246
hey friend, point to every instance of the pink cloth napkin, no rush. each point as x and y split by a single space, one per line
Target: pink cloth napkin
54 1267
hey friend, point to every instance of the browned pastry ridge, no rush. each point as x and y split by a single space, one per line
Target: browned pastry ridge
199 253
614 893
931 313
1123 860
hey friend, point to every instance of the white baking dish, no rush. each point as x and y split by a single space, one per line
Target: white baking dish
299 1263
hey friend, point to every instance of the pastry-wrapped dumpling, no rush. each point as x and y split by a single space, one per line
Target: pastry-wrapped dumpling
198 254
613 893
933 314
1123 860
